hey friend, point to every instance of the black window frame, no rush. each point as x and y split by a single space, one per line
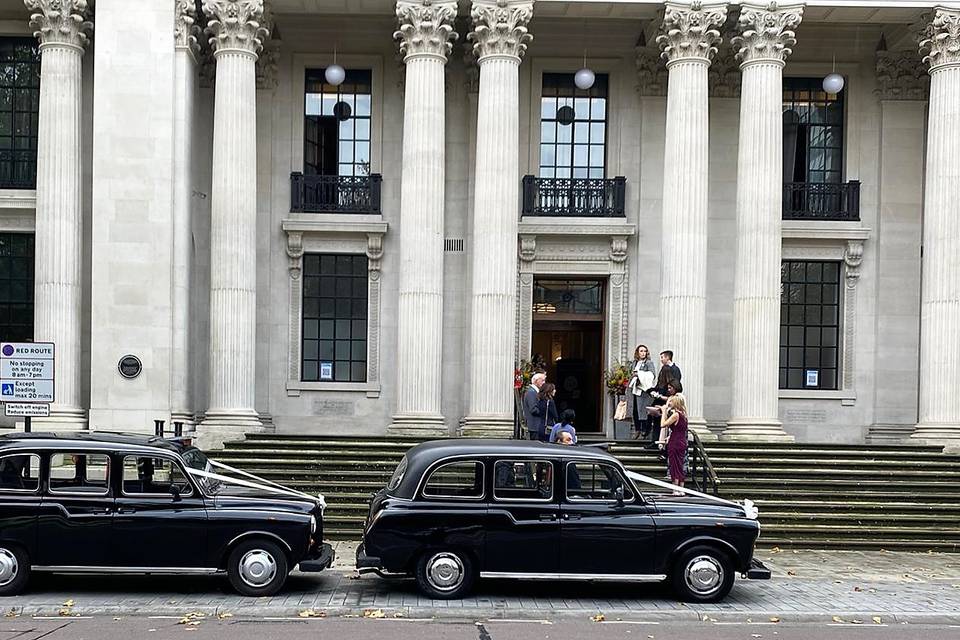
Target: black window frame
17 280
531 461
807 299
19 111
75 491
477 464
330 314
39 467
357 83
820 118
560 89
174 464
628 491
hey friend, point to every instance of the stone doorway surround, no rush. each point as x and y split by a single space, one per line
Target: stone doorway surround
582 247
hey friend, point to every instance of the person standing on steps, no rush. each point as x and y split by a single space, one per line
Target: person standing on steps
642 382
669 372
675 419
531 406
548 409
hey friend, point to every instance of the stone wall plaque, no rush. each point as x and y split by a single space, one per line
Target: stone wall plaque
130 366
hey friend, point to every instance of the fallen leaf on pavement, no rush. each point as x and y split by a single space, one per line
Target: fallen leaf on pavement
837 619
310 613
68 603
224 614
774 619
877 619
11 614
598 618
373 613
775 550
857 589
855 621
398 614
791 573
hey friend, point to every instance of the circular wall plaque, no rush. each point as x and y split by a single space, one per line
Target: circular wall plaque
129 366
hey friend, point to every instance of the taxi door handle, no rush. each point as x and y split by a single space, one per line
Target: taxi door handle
571 516
548 517
126 510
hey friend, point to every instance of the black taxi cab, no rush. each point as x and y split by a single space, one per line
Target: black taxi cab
114 503
458 510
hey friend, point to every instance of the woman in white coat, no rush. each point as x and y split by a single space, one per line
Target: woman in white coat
643 380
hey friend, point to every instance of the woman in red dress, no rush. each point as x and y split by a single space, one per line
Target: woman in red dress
676 420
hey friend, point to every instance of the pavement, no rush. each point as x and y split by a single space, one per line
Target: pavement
833 587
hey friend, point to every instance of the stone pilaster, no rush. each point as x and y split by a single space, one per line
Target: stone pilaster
500 39
236 36
186 39
689 35
62 27
940 292
425 34
763 45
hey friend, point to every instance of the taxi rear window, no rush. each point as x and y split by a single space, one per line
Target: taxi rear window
397 476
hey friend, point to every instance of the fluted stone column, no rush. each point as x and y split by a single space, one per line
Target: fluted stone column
763 44
689 35
425 33
500 39
236 37
940 292
186 33
62 28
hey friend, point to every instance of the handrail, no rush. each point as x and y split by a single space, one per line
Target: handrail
708 481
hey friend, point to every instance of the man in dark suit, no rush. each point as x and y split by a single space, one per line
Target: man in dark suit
669 372
531 408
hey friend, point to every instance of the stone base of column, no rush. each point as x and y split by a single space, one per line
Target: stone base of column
755 431
188 419
219 427
699 426
486 427
62 420
423 427
939 435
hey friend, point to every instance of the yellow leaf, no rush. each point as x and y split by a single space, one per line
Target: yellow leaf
598 618
855 621
837 619
373 613
224 615
310 613
775 550
11 614
877 619
68 603
774 619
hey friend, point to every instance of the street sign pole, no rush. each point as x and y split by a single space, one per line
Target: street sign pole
26 424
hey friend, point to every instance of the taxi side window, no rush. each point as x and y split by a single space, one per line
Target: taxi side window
589 481
153 476
462 479
20 472
523 480
79 473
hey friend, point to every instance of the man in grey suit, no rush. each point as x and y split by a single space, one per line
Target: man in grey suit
531 409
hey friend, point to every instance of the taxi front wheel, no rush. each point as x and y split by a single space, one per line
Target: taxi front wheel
702 574
257 568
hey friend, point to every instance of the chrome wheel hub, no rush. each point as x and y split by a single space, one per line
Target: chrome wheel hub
257 568
8 567
445 571
704 575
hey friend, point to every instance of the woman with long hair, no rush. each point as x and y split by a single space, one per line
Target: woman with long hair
548 409
675 419
643 380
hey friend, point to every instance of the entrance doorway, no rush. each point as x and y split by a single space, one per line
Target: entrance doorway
568 331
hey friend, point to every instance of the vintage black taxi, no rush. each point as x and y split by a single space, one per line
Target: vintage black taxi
458 510
112 503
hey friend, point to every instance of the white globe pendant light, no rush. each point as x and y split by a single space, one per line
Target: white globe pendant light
584 78
833 83
335 74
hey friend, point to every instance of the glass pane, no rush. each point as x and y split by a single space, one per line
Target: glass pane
596 155
154 476
20 472
79 473
548 131
456 480
523 480
362 105
358 372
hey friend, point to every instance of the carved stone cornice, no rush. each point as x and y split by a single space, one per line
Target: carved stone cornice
60 22
268 62
186 31
528 249
853 258
500 28
766 32
689 31
901 76
425 27
235 25
651 72
294 253
724 74
941 39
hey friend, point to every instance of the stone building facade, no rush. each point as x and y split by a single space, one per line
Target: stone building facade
182 182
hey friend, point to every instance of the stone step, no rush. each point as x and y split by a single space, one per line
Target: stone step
768 541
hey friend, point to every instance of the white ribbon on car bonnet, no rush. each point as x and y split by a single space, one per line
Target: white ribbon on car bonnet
749 510
261 484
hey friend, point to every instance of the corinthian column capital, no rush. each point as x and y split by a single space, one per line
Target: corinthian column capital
425 27
690 30
500 28
60 22
766 32
186 31
941 39
235 25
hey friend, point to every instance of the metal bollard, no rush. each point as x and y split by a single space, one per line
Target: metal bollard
178 428
158 428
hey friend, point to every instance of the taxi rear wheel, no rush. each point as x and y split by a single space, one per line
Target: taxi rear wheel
445 574
702 574
14 570
257 568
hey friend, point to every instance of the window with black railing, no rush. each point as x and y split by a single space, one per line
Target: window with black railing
16 287
19 109
336 173
572 171
813 141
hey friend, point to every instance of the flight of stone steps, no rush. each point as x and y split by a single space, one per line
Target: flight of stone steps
824 496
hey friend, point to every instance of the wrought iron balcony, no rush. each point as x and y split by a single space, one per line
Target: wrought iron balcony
335 194
814 201
583 197
18 168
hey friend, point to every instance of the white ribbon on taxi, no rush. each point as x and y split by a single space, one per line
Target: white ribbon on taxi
749 510
260 484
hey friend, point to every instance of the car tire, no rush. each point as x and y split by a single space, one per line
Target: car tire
702 574
445 574
14 570
257 568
